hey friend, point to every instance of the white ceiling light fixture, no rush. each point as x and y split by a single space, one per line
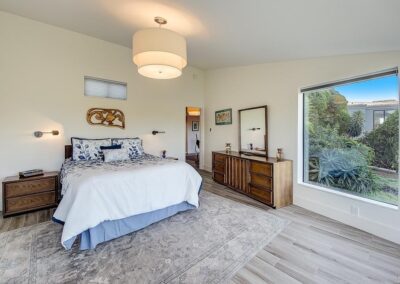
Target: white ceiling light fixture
159 53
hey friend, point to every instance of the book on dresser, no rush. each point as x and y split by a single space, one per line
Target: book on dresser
21 195
265 179
31 173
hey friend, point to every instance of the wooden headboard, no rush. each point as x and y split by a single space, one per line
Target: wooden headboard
68 151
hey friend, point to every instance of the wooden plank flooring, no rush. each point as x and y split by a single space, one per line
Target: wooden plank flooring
311 249
24 220
315 249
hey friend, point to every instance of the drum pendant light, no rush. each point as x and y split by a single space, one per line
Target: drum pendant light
159 53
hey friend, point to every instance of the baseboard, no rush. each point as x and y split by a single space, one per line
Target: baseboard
380 230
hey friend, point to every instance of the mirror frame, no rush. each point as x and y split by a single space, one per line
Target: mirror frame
265 135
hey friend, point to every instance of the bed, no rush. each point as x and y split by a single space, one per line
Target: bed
103 201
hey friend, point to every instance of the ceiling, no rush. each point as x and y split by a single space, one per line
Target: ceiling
223 33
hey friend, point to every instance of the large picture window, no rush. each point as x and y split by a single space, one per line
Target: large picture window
351 136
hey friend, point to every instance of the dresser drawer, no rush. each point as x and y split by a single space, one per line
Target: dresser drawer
262 195
219 158
29 187
261 181
30 202
219 167
220 178
261 168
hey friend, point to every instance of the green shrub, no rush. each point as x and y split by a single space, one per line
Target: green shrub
385 140
339 161
327 109
336 159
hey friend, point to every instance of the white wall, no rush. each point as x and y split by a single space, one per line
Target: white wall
41 88
277 85
191 135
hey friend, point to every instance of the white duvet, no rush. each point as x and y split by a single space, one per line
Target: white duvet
110 191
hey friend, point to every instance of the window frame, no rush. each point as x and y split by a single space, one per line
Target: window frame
301 136
373 117
386 113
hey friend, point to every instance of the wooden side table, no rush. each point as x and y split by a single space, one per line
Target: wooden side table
21 195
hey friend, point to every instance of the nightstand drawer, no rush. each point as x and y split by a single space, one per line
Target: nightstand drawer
30 201
29 187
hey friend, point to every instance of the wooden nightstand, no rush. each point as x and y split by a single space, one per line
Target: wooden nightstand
21 195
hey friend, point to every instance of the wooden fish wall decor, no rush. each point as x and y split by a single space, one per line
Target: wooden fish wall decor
106 117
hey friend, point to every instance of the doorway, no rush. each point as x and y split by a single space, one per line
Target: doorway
193 135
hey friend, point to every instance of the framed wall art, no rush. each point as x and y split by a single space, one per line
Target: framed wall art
195 125
106 117
223 117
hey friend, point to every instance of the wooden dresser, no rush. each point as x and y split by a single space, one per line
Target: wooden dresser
264 179
29 194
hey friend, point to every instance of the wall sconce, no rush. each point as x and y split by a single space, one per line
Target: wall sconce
254 128
39 134
155 132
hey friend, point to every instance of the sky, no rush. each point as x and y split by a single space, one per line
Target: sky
384 88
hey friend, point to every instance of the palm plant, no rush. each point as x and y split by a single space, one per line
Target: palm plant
356 124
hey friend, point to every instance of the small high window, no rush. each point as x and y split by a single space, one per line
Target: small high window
102 88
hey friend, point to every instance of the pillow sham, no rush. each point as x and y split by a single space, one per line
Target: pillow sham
88 149
114 155
134 146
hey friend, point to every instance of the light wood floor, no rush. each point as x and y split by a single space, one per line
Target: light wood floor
311 249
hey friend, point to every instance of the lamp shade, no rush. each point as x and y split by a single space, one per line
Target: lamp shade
159 53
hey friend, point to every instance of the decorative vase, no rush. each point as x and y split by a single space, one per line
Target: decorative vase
227 147
164 154
279 154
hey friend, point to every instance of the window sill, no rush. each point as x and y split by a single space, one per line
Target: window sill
366 200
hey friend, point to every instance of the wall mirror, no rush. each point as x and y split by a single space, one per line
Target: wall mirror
253 125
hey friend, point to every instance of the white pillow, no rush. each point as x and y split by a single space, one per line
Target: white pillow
88 149
114 155
134 146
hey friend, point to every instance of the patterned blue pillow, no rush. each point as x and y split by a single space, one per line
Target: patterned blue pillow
88 149
134 146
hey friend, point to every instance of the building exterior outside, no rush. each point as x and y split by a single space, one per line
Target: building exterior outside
375 113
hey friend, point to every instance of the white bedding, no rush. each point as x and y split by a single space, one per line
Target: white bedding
96 192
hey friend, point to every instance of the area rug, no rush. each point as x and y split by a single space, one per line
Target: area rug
205 245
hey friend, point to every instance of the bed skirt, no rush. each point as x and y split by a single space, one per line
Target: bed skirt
109 230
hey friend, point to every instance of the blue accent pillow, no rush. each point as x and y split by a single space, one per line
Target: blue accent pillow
112 147
88 149
134 146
